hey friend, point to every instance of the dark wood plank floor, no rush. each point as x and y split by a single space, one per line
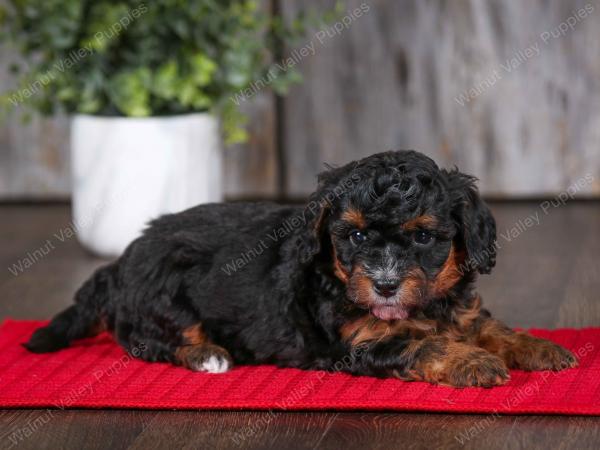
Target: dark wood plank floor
548 275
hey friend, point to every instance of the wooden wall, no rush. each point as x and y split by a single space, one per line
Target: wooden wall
393 78
34 156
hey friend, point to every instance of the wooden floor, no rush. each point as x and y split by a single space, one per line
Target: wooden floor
548 275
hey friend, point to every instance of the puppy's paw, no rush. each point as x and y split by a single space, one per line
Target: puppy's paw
205 358
214 364
531 353
461 365
476 368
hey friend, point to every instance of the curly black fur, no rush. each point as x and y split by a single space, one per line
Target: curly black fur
294 286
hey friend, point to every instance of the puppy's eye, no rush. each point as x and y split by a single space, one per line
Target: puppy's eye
423 237
357 237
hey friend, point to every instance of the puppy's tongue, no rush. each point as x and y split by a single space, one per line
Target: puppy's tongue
389 312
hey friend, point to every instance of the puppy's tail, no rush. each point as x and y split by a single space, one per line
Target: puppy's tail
83 319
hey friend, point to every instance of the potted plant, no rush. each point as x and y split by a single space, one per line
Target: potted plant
149 85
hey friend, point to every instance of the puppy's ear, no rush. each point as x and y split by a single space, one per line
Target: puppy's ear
475 221
310 240
331 184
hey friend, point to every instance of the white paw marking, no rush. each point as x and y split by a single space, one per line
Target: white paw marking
215 364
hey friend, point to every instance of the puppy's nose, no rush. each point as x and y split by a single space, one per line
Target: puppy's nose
386 288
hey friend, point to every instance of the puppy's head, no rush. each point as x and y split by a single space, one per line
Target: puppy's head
399 232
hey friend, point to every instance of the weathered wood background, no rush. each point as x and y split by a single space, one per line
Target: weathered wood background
481 84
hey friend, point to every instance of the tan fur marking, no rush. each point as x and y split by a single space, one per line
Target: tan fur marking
338 269
194 335
368 328
424 221
465 317
522 350
449 275
413 287
354 217
459 365
362 283
183 353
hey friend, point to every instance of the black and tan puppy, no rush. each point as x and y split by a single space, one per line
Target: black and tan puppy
377 271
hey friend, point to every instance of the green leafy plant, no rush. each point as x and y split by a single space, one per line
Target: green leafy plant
146 57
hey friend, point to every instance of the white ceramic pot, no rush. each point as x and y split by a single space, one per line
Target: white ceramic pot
127 171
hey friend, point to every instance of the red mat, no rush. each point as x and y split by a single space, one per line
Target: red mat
96 373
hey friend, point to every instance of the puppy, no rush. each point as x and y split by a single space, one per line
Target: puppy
377 272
